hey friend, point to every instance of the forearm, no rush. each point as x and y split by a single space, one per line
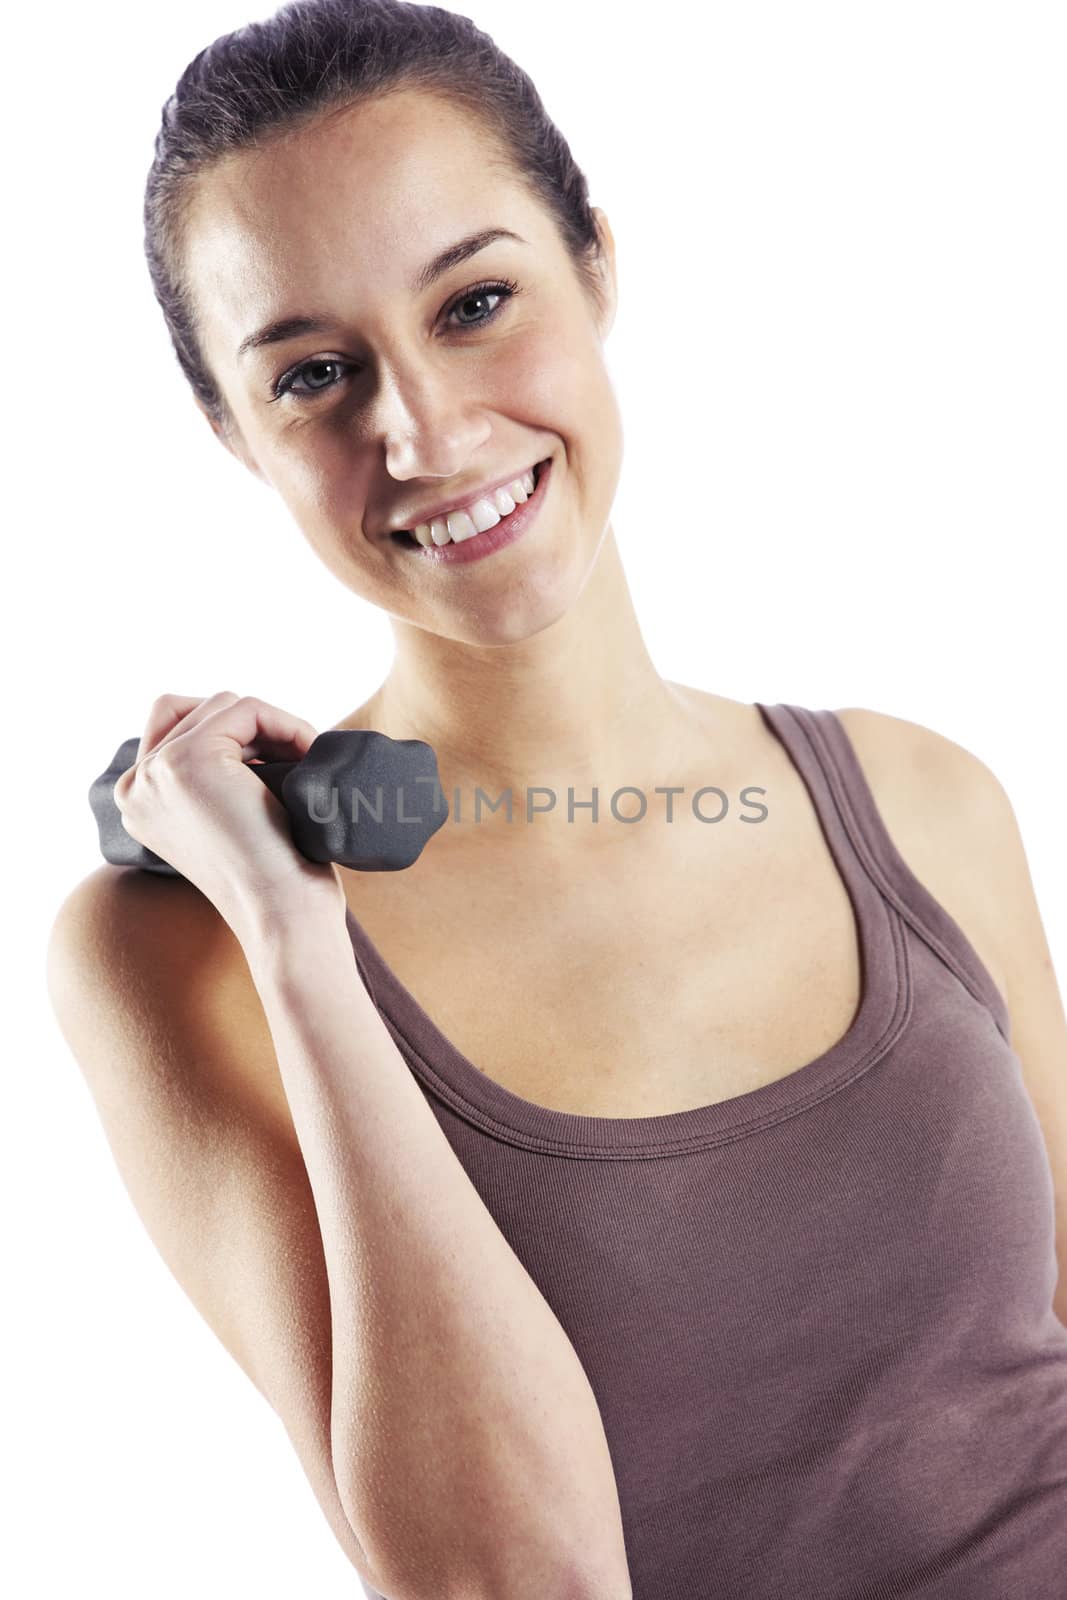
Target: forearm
468 1448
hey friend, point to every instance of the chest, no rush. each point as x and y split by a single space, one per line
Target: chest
654 976
634 983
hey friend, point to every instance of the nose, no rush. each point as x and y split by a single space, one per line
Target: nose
427 424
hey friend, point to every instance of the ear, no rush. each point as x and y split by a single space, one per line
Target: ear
609 282
230 436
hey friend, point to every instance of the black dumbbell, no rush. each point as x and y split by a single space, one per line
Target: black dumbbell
357 797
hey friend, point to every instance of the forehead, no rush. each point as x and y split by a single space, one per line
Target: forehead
378 187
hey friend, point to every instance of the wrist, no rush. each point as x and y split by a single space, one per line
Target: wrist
272 930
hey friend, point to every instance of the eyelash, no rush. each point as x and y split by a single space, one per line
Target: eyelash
504 287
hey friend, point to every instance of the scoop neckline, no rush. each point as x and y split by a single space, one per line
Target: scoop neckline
881 1010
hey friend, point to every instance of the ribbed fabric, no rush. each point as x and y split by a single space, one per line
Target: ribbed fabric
817 1317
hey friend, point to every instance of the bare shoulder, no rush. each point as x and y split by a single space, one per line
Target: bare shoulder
944 810
121 915
922 776
943 798
948 815
895 754
152 953
889 746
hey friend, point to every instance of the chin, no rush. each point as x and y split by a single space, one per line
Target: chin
499 623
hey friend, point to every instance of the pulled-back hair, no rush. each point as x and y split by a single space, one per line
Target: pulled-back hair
315 56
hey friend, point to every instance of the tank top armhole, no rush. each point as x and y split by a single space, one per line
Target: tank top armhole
892 875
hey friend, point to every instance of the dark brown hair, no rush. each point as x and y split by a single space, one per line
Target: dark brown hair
315 56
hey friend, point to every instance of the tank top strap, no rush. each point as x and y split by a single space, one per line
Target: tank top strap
824 734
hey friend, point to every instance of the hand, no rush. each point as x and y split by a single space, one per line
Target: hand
190 797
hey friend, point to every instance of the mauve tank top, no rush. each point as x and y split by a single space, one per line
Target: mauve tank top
817 1317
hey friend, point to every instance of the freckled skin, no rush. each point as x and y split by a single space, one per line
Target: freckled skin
341 216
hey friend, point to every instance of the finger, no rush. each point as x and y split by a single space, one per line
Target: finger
261 729
174 714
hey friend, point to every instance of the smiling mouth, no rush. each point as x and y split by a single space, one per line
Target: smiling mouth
409 541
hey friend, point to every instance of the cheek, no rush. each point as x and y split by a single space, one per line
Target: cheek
548 377
317 475
326 496
562 385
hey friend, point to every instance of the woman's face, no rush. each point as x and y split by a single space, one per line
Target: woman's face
404 395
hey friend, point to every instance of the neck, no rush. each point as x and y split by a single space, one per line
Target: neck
579 704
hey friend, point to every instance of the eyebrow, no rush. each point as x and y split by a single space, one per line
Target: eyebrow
317 322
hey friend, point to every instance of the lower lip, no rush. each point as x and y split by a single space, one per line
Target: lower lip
501 534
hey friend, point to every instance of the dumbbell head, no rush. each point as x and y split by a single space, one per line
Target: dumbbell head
116 845
357 797
363 800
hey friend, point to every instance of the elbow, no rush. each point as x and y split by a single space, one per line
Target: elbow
513 1576
445 1553
567 1588
581 1584
609 1580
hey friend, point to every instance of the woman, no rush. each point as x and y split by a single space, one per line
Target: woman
731 1272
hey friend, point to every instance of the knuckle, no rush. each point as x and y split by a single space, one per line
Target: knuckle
169 757
155 764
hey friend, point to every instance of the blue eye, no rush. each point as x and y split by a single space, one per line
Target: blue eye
501 291
285 383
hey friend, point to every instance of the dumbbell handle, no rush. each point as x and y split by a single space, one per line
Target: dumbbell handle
343 759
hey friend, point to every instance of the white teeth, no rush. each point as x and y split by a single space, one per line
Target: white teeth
485 513
460 526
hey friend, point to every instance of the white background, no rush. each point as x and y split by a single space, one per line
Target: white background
841 336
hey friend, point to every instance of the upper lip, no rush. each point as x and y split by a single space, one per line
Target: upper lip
460 503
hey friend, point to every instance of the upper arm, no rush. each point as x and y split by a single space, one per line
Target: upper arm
154 998
959 813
